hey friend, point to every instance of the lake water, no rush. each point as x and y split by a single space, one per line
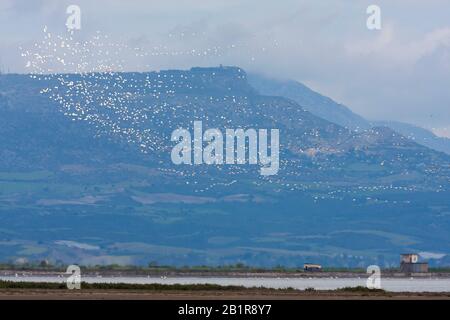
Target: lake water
389 284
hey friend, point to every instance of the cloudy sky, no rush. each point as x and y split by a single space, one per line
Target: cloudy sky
401 72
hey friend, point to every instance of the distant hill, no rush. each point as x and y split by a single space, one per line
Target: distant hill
312 101
86 177
419 135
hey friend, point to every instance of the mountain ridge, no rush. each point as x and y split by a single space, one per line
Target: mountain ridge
341 198
330 110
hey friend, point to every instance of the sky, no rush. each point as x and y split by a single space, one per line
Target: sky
399 73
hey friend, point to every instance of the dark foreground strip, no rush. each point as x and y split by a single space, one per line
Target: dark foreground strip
238 309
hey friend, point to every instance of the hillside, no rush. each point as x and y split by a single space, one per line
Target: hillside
86 177
332 111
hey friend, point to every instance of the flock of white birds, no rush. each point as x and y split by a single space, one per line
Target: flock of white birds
86 80
85 77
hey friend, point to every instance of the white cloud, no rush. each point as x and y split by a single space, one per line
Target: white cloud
399 73
391 48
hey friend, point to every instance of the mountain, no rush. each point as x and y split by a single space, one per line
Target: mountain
312 101
332 111
86 177
418 134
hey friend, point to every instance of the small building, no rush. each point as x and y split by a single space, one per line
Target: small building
311 267
409 263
